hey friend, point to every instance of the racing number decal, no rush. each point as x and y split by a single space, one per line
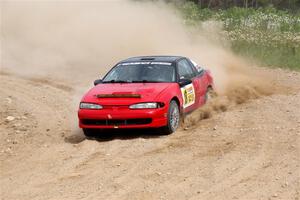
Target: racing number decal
188 95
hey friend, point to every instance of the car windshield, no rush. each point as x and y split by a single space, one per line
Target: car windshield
141 72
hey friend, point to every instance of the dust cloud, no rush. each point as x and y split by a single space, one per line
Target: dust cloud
77 42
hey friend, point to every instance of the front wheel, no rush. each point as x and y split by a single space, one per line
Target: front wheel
173 118
88 132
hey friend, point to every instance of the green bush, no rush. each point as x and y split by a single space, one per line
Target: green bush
268 35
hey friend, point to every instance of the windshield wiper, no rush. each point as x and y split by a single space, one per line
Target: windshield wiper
116 81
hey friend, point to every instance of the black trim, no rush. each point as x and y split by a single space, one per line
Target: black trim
116 122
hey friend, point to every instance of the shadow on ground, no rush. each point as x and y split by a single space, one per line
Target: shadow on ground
113 134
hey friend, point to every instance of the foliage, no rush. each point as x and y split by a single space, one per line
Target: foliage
291 5
272 36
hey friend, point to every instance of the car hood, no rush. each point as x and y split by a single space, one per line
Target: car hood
125 93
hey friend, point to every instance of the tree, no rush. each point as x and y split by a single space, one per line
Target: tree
224 4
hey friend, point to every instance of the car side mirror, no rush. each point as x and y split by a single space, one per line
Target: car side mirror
98 81
184 82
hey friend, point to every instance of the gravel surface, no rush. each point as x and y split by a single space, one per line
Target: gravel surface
249 150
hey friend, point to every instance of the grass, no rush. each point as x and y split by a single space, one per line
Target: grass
270 37
274 56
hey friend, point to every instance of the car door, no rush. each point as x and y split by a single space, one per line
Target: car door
190 92
201 80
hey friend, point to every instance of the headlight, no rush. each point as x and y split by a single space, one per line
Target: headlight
90 106
144 106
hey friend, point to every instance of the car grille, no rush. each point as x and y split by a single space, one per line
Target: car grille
116 122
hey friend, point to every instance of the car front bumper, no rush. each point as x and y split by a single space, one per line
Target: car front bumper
122 118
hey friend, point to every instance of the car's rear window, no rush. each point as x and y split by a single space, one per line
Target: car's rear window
142 72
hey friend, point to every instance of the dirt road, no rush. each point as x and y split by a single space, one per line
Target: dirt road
245 145
250 151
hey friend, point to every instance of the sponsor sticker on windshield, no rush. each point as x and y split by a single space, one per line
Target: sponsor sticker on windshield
136 63
145 63
160 63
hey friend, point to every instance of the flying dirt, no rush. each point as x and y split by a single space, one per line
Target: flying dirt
245 144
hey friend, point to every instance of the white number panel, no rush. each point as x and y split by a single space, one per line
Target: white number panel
188 95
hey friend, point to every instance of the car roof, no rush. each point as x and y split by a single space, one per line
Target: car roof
153 58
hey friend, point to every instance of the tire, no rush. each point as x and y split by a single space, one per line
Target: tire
89 133
173 118
210 94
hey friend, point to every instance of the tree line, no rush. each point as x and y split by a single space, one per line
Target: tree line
224 4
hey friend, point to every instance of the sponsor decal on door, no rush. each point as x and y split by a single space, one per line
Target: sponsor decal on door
188 95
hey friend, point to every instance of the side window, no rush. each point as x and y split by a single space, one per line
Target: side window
185 70
197 68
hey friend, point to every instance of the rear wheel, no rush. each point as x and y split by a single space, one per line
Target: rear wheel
210 94
173 118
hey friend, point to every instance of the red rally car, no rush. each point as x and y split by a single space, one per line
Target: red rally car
145 92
